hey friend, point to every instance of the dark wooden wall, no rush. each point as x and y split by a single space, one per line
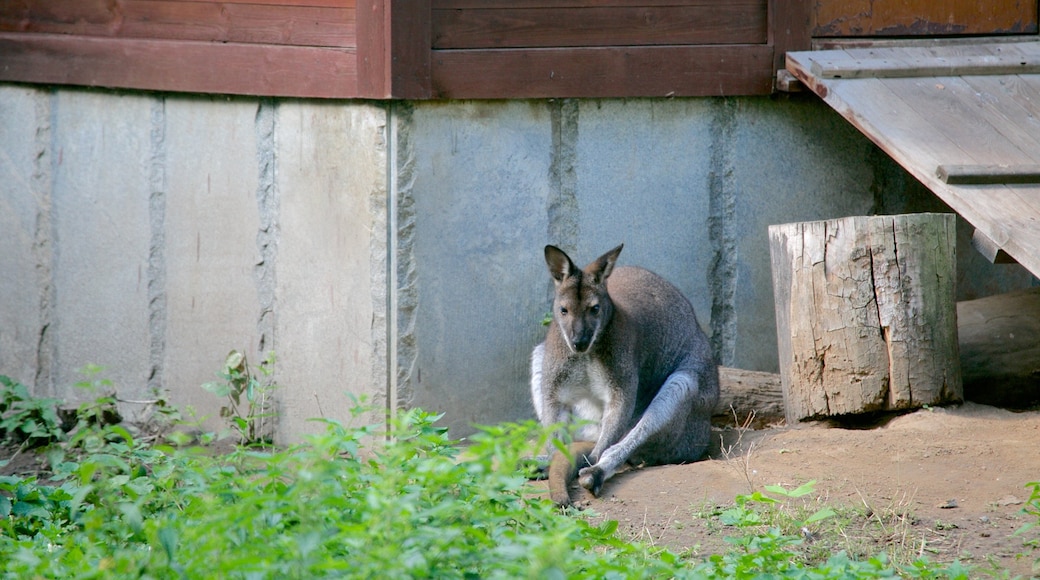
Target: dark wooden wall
261 47
887 18
414 49
447 49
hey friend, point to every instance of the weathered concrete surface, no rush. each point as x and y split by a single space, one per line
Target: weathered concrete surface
394 250
787 158
331 181
472 188
24 249
102 152
211 227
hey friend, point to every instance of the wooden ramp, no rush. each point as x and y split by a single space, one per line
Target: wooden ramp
964 119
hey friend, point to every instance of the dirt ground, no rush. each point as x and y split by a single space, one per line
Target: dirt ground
947 483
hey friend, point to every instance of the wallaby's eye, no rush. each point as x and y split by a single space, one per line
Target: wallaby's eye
563 310
595 309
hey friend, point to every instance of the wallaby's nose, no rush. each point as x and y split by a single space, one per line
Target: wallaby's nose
581 344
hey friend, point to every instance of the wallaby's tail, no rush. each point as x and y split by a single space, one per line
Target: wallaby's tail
563 471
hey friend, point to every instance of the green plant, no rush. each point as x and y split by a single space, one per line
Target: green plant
358 502
249 407
1032 509
25 419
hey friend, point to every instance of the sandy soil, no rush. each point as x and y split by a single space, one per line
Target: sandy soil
948 483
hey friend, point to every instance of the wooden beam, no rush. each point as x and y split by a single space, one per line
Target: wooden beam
991 250
748 394
988 174
179 65
858 68
789 26
393 38
640 71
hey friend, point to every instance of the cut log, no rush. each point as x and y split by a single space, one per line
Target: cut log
747 394
866 317
1000 349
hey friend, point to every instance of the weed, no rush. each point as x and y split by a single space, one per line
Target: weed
1032 509
249 409
347 503
732 452
25 419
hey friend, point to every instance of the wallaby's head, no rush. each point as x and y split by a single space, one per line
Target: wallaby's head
581 307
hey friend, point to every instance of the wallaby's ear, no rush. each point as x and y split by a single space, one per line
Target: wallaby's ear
560 265
603 265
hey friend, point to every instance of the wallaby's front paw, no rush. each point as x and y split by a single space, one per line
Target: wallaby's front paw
591 478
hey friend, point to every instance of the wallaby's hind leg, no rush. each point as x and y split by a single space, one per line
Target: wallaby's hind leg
563 470
669 409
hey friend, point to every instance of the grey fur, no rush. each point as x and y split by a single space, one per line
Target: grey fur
624 351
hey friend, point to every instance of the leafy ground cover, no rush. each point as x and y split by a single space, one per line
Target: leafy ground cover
356 502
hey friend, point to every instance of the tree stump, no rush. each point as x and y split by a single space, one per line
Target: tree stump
866 314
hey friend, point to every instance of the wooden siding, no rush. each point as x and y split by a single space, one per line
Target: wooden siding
604 71
411 49
532 23
311 23
851 18
180 66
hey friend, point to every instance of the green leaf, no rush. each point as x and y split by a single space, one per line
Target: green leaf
821 514
218 389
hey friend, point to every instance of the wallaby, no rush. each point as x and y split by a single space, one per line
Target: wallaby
624 352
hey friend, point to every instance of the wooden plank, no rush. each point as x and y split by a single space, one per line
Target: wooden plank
178 20
962 122
860 43
988 174
789 26
393 48
893 68
603 72
1009 215
836 18
702 22
177 65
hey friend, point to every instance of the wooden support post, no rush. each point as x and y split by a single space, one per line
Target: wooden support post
866 317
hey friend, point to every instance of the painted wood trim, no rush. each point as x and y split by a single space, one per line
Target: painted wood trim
603 72
394 48
177 65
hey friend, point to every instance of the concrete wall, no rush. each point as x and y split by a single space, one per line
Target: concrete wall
152 234
394 249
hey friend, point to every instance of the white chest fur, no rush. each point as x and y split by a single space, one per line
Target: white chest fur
586 392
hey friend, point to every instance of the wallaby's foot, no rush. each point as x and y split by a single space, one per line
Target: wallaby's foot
592 478
562 498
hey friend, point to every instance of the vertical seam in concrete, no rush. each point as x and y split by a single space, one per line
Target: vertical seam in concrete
157 187
267 203
383 263
42 184
564 230
403 294
722 273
